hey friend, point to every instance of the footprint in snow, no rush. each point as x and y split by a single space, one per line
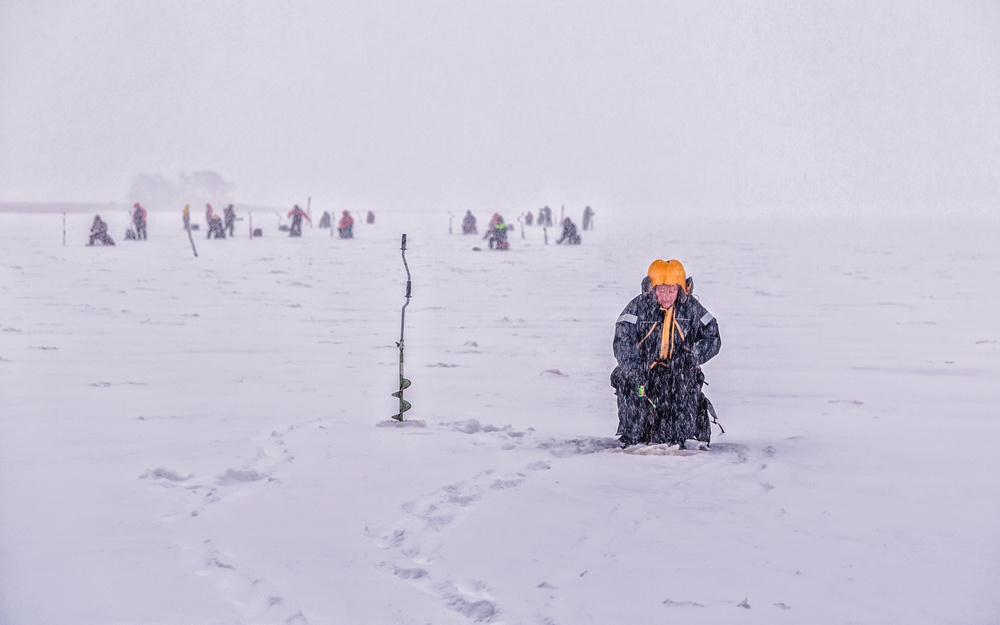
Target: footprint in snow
414 539
165 474
507 436
471 599
254 598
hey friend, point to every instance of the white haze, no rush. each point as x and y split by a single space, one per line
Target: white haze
654 106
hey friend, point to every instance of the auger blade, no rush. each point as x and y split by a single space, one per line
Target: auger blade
403 407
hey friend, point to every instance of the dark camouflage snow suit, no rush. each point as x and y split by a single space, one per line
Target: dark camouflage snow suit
673 385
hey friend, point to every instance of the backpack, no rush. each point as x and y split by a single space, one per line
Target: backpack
706 415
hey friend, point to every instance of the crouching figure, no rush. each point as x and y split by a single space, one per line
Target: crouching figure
99 232
661 340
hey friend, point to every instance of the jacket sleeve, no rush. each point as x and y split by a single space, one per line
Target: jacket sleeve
707 341
630 369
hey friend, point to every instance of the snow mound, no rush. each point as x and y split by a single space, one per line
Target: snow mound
682 604
578 446
164 474
392 423
660 450
473 426
232 476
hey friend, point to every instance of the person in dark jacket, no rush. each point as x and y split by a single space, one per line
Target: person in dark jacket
661 340
139 219
297 214
545 217
215 228
469 224
99 232
346 226
370 218
230 219
497 233
569 234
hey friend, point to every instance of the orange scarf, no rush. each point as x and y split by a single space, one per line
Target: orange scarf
671 330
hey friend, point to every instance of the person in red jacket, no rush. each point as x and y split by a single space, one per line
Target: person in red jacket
139 219
346 226
297 214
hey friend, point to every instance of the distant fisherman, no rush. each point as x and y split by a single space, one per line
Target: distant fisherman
569 234
139 219
469 224
297 214
346 226
230 219
497 233
208 220
215 228
99 232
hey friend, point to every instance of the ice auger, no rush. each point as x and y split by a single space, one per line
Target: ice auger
403 382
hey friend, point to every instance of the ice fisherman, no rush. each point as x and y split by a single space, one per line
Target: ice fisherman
346 226
497 233
588 218
469 224
187 216
545 217
139 219
370 218
297 214
569 233
215 228
99 232
230 219
662 338
208 220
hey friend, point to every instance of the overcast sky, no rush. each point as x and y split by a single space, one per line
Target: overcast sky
507 105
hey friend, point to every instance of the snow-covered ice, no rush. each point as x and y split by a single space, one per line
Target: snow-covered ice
206 440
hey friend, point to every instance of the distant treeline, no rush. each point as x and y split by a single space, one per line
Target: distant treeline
107 207
61 207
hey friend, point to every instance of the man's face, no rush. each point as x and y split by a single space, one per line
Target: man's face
666 294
